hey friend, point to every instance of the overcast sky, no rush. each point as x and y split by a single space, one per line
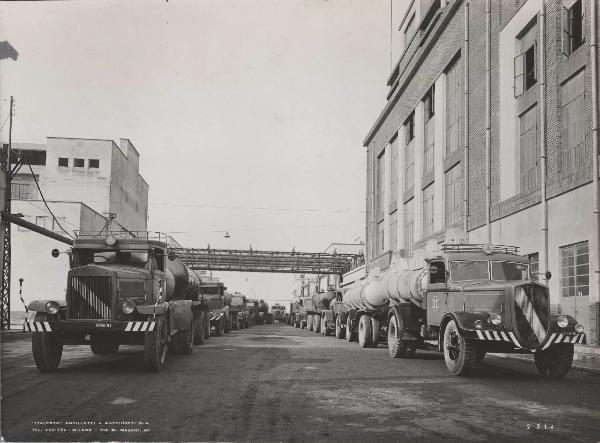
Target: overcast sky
248 115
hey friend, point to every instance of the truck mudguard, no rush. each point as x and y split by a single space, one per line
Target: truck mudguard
40 305
161 308
464 320
181 314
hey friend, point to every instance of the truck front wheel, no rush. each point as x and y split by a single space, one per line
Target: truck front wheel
219 327
199 329
155 345
375 332
365 332
396 347
350 334
186 339
317 324
340 332
460 354
554 362
47 349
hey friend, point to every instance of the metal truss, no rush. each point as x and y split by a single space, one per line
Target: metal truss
268 261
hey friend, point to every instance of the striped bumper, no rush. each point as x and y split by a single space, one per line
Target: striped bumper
564 338
140 326
100 325
508 337
216 317
37 326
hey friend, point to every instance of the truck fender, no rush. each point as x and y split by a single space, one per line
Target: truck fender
40 305
464 320
554 326
181 314
161 308
404 316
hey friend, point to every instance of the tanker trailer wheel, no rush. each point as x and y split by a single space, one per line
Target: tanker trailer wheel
155 345
396 347
47 349
459 353
309 322
350 334
365 332
206 316
199 329
317 324
554 362
340 331
375 330
104 348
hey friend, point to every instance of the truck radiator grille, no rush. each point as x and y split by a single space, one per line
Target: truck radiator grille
88 297
532 315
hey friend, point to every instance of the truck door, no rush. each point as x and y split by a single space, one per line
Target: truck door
437 292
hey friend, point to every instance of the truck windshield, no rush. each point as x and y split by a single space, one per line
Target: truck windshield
509 271
137 259
210 290
468 270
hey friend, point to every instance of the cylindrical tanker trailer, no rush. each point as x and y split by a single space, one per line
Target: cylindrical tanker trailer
120 290
466 300
320 318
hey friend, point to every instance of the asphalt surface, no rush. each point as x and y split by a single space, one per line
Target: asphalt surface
278 383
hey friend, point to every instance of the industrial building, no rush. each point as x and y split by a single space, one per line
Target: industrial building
488 135
83 181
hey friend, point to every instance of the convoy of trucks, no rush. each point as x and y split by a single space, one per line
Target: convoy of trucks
463 300
127 288
278 313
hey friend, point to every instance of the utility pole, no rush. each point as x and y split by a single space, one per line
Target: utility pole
5 227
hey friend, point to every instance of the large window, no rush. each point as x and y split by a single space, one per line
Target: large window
534 261
380 238
428 211
394 230
33 157
409 156
572 26
394 174
453 195
454 106
573 124
575 270
528 150
428 105
409 226
380 178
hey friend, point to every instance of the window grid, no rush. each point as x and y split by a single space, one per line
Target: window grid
380 185
454 103
394 231
394 174
573 124
528 150
454 191
534 265
429 146
428 211
409 225
575 270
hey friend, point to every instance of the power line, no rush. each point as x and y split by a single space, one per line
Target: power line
259 208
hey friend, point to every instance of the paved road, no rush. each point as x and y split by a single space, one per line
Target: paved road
275 382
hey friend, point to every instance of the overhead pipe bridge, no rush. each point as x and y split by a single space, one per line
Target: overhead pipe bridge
251 260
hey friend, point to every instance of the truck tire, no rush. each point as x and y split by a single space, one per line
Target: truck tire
340 331
309 322
375 332
227 324
174 344
459 353
350 335
206 316
324 329
47 349
155 345
396 347
199 329
365 332
104 348
554 362
317 324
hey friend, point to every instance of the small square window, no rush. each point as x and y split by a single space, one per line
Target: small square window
78 163
94 163
63 162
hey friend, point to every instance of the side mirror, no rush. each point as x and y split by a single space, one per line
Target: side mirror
55 253
548 275
172 256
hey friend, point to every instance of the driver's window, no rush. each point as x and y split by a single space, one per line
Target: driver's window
437 272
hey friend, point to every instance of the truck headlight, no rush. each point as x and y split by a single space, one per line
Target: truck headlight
562 321
495 319
128 307
52 307
579 328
